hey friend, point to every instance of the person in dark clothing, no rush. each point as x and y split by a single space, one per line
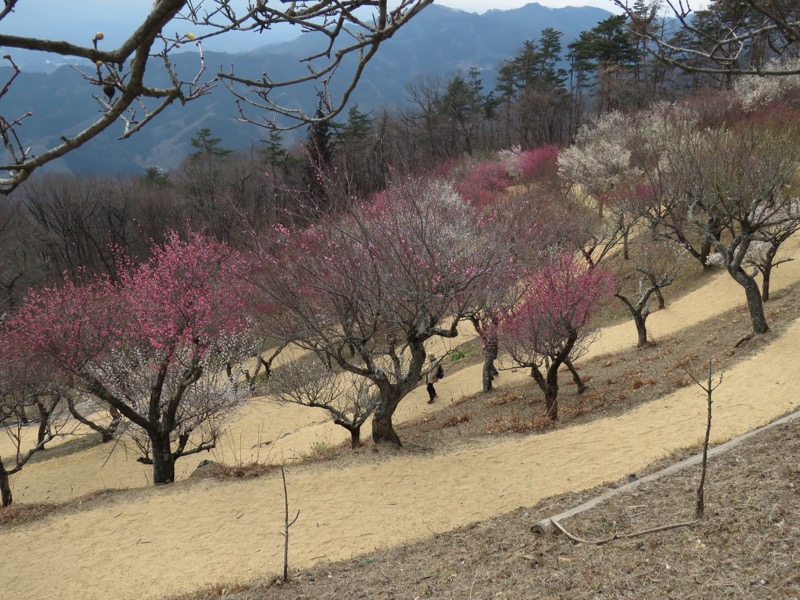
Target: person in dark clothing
431 392
435 373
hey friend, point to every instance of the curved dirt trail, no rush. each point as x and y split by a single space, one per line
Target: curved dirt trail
158 541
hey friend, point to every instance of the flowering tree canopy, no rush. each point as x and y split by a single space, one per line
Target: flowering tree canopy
549 326
369 288
733 187
154 345
482 183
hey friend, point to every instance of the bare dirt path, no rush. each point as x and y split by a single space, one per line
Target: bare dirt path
152 542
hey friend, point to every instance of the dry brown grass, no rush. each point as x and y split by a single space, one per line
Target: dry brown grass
241 472
745 547
455 420
20 514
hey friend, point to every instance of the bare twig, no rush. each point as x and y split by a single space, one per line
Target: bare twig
352 31
286 525
708 388
620 536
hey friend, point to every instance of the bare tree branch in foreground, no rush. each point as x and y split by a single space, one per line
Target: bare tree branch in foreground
348 28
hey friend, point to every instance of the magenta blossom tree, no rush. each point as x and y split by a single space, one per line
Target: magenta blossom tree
482 184
533 166
154 345
539 164
369 288
549 327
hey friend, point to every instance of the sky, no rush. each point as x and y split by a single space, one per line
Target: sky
481 6
78 20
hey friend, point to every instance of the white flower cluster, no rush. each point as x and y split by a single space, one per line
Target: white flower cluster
510 159
600 157
715 260
755 90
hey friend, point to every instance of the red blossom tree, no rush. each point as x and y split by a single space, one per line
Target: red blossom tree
154 345
481 185
549 327
524 223
539 164
369 288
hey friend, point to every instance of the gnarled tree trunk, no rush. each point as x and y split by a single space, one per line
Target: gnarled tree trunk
355 436
490 349
575 376
106 433
755 305
5 487
549 386
382 429
163 460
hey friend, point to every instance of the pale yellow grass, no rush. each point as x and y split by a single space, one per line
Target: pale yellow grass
177 538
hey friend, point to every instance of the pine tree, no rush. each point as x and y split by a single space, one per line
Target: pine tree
208 146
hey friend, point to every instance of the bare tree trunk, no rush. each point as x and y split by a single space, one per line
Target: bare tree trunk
488 376
701 506
163 461
286 525
551 404
44 425
489 370
5 487
639 312
659 297
755 305
106 433
549 386
641 328
355 437
765 277
382 429
575 376
702 256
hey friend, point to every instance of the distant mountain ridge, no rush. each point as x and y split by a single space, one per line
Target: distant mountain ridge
439 41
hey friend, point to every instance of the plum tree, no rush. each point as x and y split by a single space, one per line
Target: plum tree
154 345
368 287
549 327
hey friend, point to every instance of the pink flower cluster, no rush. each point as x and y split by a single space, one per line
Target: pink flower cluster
188 295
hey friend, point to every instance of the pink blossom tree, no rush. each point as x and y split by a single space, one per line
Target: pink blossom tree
154 345
524 223
533 166
549 328
539 164
369 288
481 184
